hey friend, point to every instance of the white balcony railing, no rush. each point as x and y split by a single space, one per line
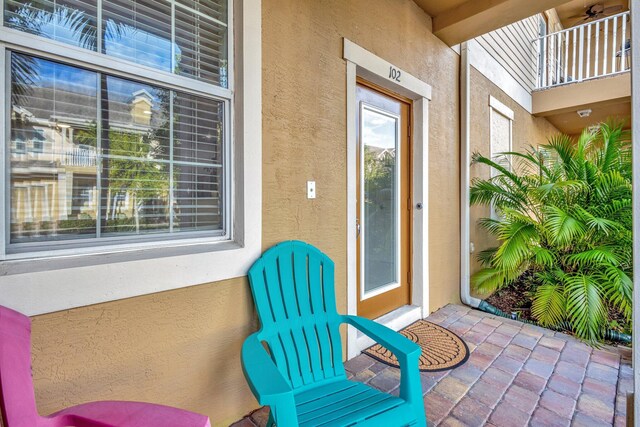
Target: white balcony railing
596 49
79 156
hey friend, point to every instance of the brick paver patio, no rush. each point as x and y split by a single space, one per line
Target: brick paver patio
516 375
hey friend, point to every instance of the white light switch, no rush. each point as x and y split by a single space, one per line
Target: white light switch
311 189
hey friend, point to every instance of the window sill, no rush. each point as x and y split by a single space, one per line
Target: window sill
27 285
38 261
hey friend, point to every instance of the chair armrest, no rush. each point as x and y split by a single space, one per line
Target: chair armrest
406 351
390 339
265 380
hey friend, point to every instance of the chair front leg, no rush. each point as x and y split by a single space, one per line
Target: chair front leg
283 412
411 386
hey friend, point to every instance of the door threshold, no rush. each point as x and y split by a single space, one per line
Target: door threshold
396 320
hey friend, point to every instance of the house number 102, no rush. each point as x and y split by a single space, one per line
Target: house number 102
394 73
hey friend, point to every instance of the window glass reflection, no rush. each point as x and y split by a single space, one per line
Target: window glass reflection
52 151
379 144
198 139
72 22
89 163
138 30
135 134
201 47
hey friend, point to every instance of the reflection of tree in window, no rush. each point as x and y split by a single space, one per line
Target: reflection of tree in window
379 175
54 116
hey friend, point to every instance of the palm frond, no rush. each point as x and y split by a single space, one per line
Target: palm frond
616 208
585 309
543 257
486 192
561 187
563 227
617 287
563 150
611 185
552 276
513 177
603 225
596 257
485 257
613 141
517 240
488 280
490 224
549 304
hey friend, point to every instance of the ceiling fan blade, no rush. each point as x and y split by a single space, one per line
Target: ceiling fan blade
581 16
582 21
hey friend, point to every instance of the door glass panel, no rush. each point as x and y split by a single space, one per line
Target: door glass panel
380 186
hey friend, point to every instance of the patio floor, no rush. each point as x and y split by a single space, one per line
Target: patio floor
516 375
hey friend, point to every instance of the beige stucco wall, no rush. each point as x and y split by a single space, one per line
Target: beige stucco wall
526 130
304 106
176 348
182 347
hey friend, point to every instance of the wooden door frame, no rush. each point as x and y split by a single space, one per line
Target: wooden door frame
362 63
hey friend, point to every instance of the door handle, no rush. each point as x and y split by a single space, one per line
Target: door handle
357 228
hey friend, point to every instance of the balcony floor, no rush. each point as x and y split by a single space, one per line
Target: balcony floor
516 375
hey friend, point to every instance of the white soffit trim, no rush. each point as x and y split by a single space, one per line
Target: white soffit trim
376 69
501 108
497 74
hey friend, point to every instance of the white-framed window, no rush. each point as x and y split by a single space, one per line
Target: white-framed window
131 160
154 153
501 136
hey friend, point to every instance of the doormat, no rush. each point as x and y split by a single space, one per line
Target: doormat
441 348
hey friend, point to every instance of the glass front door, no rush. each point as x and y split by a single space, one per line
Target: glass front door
383 215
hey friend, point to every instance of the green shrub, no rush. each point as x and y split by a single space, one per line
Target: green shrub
564 215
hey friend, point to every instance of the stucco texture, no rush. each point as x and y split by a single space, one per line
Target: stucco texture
527 131
178 348
304 123
182 347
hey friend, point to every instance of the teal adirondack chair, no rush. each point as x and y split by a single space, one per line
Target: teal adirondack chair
301 377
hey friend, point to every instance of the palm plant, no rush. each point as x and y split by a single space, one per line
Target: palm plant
564 218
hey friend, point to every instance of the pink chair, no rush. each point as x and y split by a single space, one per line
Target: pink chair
18 403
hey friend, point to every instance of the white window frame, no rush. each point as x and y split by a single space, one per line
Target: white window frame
53 280
497 107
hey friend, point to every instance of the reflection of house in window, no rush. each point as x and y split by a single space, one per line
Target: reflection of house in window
83 197
141 107
130 184
20 146
37 141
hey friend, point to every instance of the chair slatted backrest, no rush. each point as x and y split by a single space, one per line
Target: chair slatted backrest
17 398
293 288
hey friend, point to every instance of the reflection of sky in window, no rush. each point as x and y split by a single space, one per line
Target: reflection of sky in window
378 130
142 47
80 81
64 24
59 28
121 90
64 77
